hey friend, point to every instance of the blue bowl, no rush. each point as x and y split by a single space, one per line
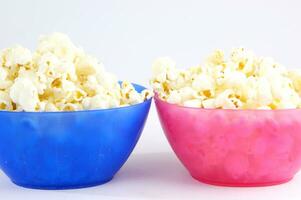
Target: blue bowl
65 150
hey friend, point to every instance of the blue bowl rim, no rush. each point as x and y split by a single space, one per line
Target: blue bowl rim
81 111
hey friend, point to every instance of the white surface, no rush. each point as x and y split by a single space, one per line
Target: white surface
128 36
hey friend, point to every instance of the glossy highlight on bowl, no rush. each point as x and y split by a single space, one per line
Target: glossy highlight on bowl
62 150
234 147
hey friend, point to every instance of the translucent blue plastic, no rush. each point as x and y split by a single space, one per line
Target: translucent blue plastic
61 150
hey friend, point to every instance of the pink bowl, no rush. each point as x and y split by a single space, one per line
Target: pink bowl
234 147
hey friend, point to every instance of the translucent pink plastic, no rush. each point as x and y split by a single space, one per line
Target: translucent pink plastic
234 147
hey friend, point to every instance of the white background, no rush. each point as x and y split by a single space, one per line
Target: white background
127 36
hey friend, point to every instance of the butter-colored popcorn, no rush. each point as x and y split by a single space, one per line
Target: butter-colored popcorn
195 103
16 56
187 93
208 103
87 65
162 68
97 101
58 76
147 94
69 106
174 97
264 92
224 99
58 44
51 107
203 82
241 81
5 82
24 93
5 101
295 77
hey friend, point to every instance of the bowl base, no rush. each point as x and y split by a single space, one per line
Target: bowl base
258 184
61 187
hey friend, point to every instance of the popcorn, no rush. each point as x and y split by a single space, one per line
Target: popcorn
241 81
58 76
209 103
86 65
295 77
202 82
194 103
5 102
147 94
59 45
24 93
227 100
50 107
163 67
174 97
16 56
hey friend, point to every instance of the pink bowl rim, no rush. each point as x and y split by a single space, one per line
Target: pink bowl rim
157 98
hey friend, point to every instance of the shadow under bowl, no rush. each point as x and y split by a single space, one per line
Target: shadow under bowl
64 150
234 147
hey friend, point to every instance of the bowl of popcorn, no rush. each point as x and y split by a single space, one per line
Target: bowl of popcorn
234 120
65 122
